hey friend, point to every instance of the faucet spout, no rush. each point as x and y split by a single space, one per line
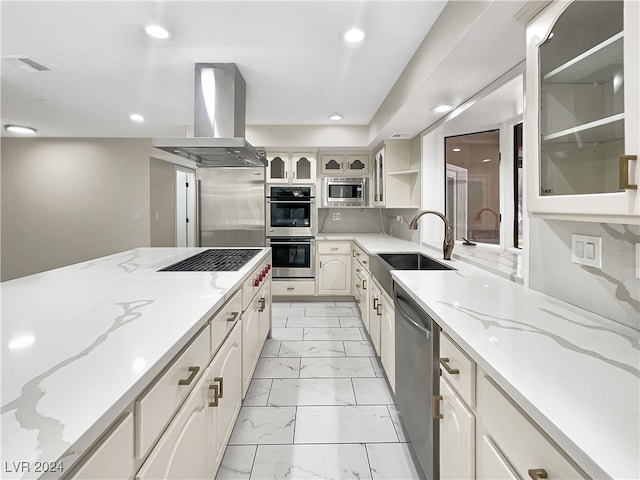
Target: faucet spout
448 243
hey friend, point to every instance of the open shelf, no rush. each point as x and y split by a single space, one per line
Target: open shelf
602 130
596 65
404 172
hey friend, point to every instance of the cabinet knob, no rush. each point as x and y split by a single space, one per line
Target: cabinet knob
445 363
187 381
624 172
537 473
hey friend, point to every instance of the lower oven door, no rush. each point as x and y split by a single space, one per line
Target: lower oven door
292 257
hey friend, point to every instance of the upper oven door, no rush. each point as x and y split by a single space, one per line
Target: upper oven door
291 218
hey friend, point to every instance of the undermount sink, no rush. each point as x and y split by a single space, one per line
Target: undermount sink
382 264
413 261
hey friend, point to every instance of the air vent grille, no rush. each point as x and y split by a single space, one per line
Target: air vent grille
402 135
25 63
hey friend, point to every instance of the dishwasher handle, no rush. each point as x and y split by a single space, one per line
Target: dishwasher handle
407 317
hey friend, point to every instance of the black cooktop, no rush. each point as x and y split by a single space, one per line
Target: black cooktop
218 260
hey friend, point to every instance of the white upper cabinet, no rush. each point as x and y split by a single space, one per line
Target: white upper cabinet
357 164
583 128
332 164
291 167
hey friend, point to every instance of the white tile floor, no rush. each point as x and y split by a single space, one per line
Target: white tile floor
318 406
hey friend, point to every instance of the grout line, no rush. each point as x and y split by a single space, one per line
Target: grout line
253 462
366 451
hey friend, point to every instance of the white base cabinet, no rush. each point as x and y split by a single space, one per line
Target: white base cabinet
457 436
256 323
491 462
375 314
334 268
193 444
388 339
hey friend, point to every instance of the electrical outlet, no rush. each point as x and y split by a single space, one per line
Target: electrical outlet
637 260
586 250
337 216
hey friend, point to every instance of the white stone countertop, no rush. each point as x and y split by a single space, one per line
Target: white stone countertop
80 343
575 373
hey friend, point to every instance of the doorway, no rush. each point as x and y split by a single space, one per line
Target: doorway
185 208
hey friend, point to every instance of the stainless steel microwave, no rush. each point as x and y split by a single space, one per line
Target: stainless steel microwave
345 192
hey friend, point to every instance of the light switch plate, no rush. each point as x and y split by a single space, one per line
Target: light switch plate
586 250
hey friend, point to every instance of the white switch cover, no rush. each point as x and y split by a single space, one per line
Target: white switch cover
586 250
337 216
637 260
137 216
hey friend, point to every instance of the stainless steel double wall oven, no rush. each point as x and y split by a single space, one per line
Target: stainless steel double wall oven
291 218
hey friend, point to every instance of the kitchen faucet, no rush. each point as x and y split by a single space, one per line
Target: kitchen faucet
447 245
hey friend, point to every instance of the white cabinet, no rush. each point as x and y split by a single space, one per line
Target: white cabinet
113 458
332 164
457 436
291 167
491 462
193 444
396 174
334 268
256 322
583 121
343 164
517 442
375 314
388 338
361 287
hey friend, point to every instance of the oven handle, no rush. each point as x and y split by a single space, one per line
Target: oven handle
305 242
303 200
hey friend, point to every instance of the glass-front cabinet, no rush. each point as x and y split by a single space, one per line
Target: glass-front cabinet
291 167
583 103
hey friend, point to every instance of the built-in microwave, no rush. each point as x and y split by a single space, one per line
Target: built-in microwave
344 192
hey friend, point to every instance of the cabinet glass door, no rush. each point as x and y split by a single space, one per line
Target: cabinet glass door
302 169
582 100
277 168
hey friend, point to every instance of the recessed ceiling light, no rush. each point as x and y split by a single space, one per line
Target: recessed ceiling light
335 117
156 31
456 149
486 160
442 108
136 117
354 35
20 129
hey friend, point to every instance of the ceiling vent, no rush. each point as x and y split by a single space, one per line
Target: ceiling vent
402 135
25 63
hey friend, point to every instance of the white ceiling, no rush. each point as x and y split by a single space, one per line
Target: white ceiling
297 68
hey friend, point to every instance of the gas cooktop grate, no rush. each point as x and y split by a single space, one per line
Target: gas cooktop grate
219 260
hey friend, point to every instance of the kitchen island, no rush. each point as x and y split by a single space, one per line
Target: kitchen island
574 373
81 343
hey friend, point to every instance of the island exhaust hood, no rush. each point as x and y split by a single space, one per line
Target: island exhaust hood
219 121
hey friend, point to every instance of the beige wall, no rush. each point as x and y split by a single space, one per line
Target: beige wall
70 200
162 190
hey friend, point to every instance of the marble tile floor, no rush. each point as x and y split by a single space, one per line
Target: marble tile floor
318 406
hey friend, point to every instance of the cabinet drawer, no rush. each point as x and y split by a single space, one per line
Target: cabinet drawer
225 320
360 256
524 446
154 409
261 274
293 287
333 247
454 358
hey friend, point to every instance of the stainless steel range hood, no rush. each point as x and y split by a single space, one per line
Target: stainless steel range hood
219 121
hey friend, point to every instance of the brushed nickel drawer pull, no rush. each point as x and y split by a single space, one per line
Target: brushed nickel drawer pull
334 248
233 317
353 253
215 395
261 305
187 381
537 473
445 363
624 172
220 381
436 408
291 288
378 308
364 284
375 303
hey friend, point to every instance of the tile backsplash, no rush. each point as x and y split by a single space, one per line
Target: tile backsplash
368 220
612 291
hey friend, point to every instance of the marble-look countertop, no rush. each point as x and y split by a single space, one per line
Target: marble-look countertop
575 373
80 343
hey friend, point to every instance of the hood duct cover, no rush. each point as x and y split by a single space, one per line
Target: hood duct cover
219 121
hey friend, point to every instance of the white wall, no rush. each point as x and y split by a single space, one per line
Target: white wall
69 200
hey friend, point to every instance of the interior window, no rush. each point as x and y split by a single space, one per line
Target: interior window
472 192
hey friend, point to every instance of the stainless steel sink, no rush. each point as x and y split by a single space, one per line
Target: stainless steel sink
382 264
412 261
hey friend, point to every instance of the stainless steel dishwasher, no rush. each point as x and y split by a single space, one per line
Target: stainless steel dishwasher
417 380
